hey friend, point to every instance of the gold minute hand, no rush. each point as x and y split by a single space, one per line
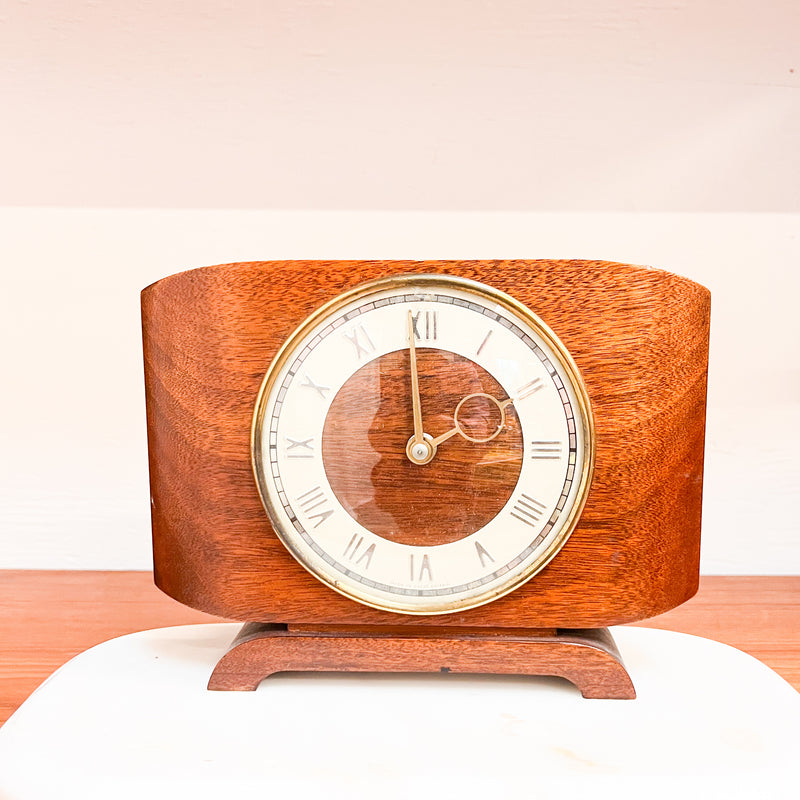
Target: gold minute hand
415 403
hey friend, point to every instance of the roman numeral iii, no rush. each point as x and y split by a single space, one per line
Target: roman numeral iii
546 449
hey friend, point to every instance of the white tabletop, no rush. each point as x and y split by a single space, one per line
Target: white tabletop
132 718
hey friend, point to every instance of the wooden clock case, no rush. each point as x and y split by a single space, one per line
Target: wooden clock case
640 339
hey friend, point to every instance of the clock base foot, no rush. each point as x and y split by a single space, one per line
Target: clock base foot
587 658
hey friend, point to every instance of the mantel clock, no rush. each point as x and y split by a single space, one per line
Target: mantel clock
420 466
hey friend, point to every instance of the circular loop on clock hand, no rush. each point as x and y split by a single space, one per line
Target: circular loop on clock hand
501 407
422 452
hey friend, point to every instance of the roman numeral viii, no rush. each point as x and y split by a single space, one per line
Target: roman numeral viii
299 448
313 503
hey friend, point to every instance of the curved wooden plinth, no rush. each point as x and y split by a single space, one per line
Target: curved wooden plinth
587 658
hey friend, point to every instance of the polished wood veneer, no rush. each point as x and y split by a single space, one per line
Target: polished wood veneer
364 449
639 337
589 659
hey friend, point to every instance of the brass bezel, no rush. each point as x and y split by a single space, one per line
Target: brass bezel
431 282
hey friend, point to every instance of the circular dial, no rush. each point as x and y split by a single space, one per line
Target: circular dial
423 444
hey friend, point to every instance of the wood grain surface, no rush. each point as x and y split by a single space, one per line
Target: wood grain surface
639 337
464 487
588 659
46 618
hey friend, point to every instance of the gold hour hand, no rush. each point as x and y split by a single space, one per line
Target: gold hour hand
444 437
459 429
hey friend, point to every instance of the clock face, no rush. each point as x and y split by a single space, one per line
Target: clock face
423 444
